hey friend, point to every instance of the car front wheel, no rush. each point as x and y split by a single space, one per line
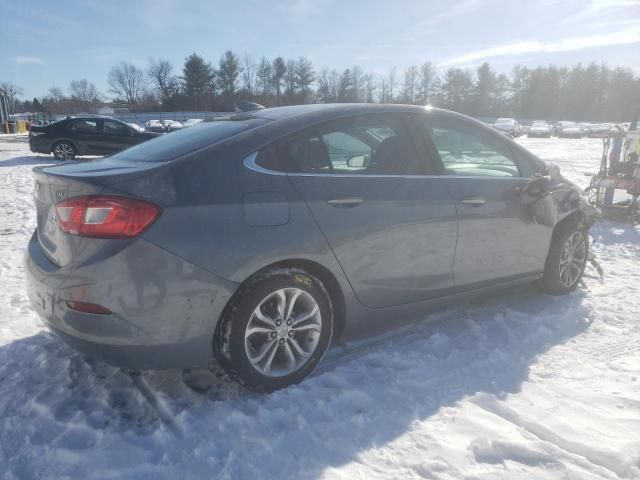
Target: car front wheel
64 151
566 260
276 330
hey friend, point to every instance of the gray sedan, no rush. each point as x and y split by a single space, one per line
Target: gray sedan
259 238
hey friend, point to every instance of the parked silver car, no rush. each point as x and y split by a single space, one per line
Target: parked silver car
260 238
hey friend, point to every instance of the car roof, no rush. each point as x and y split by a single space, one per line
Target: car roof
328 109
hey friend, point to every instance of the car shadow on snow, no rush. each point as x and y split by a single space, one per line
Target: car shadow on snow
360 399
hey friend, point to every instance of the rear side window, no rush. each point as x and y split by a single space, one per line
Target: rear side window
366 145
85 126
176 144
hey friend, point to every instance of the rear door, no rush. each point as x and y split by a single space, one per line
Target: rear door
391 225
497 238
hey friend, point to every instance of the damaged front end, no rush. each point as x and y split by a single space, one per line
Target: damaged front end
576 201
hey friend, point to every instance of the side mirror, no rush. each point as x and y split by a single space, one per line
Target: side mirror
538 186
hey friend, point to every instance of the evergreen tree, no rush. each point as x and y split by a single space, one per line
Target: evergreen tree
278 70
456 91
229 70
197 77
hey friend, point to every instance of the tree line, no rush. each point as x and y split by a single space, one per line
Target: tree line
595 92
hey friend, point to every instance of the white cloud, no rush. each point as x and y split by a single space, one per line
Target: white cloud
462 8
623 37
28 60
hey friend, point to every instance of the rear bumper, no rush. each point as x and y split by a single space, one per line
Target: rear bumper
164 309
39 147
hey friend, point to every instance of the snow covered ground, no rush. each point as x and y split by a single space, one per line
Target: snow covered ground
518 386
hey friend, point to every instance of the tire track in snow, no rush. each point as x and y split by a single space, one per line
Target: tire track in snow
599 457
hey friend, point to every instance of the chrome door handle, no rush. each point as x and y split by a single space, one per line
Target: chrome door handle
345 202
474 201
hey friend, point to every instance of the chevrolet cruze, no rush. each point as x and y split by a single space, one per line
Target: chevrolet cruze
260 238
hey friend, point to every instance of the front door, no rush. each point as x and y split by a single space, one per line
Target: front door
117 136
86 136
392 228
497 236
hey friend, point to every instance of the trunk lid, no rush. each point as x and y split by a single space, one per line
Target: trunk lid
54 184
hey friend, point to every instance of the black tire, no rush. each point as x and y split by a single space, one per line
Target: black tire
64 150
553 281
229 342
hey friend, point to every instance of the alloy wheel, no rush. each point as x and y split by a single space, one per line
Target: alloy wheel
63 151
572 258
283 332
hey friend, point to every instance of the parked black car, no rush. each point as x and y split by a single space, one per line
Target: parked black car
76 136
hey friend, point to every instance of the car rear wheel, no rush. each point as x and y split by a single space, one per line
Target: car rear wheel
566 260
64 151
276 330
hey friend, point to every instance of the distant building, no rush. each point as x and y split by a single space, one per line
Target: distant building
111 108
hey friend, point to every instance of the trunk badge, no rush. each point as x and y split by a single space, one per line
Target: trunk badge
59 194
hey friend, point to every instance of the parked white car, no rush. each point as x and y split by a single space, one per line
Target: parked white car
539 129
191 122
171 125
154 126
568 130
508 126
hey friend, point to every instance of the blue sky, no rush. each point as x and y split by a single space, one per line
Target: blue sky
46 43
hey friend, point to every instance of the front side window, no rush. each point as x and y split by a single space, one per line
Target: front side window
115 128
468 151
84 126
372 145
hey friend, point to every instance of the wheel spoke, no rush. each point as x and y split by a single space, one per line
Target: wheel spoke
292 303
306 316
263 318
267 364
282 303
302 328
254 330
290 356
263 353
298 349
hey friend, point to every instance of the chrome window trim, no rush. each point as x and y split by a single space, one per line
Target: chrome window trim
250 162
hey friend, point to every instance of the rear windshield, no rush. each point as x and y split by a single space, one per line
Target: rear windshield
176 144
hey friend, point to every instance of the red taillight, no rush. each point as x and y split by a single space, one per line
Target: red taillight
88 308
105 216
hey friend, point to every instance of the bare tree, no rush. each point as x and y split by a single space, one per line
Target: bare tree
391 84
85 93
56 94
290 80
127 82
357 83
263 76
249 74
304 77
163 81
370 87
427 81
410 84
13 91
